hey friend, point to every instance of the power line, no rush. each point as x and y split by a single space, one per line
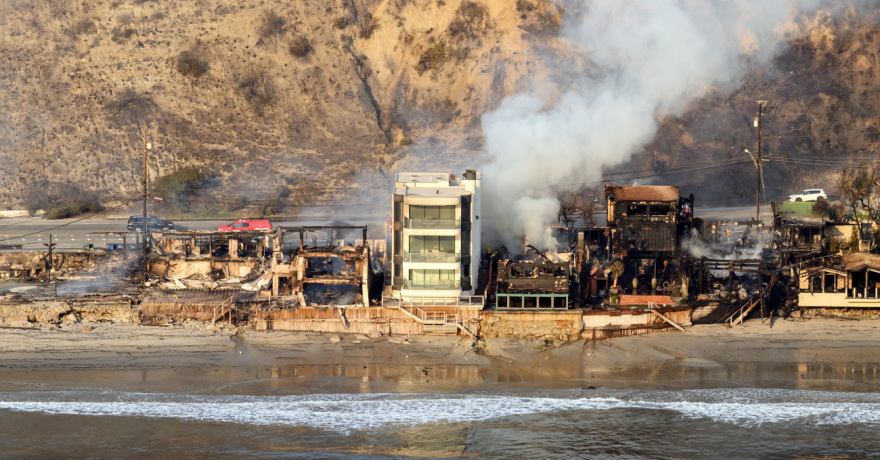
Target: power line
128 201
68 223
815 163
653 171
271 202
655 174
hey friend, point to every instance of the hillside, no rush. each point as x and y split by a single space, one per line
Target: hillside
311 102
822 109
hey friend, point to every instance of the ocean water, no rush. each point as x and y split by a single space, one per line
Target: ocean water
329 412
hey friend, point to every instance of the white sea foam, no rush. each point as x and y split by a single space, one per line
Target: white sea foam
345 413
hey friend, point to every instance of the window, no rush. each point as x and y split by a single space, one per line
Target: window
432 212
660 210
422 244
330 266
433 278
637 210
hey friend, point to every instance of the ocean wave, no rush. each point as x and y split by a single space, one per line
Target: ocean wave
353 412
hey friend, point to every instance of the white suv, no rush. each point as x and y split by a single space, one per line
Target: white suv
810 194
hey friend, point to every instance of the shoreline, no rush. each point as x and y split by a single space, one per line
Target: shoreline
844 348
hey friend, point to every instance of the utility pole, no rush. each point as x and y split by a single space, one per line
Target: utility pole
144 232
758 123
49 264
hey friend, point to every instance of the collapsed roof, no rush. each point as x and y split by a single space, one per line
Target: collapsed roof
860 261
642 192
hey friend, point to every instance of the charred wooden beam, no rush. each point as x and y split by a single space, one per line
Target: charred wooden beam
352 281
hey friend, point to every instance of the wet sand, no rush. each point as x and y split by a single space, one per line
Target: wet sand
125 390
817 351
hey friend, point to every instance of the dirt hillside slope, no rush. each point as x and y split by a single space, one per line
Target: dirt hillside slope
298 100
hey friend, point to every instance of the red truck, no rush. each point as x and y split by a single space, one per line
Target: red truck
246 225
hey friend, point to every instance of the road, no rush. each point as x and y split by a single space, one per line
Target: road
27 233
72 235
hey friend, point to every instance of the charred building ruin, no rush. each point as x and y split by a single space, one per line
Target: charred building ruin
647 222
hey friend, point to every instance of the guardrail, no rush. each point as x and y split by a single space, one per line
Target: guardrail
407 284
432 257
437 301
425 224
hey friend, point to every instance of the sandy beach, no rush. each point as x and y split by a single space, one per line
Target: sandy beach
844 345
115 390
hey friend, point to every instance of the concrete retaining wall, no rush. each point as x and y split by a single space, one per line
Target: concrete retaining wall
18 314
561 325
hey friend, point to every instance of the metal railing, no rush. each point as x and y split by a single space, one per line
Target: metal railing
432 301
439 285
435 257
430 224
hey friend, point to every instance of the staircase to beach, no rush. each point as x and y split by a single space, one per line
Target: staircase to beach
436 323
225 308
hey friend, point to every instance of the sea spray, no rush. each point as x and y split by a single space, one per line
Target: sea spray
345 413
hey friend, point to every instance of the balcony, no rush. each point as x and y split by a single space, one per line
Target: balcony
432 257
431 224
435 285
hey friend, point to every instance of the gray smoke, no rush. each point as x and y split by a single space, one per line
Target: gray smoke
649 58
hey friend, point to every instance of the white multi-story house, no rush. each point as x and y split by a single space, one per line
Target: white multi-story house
435 243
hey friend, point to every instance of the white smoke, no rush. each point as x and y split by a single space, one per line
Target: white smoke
649 59
730 249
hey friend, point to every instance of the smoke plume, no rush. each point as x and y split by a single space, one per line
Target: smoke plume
648 59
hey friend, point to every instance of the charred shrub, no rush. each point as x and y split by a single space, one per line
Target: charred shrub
258 89
78 207
471 18
82 27
367 31
432 58
121 34
340 23
190 65
821 207
130 107
300 47
178 187
524 6
271 24
61 201
472 11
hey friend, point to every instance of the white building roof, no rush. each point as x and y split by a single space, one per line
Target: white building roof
423 178
432 192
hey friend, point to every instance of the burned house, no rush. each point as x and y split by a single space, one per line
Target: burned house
335 273
647 225
212 255
854 282
799 233
804 232
435 243
533 285
647 222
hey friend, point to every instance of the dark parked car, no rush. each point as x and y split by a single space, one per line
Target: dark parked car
136 223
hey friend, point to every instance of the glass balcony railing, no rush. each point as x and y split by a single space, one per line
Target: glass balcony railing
418 224
435 257
431 285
